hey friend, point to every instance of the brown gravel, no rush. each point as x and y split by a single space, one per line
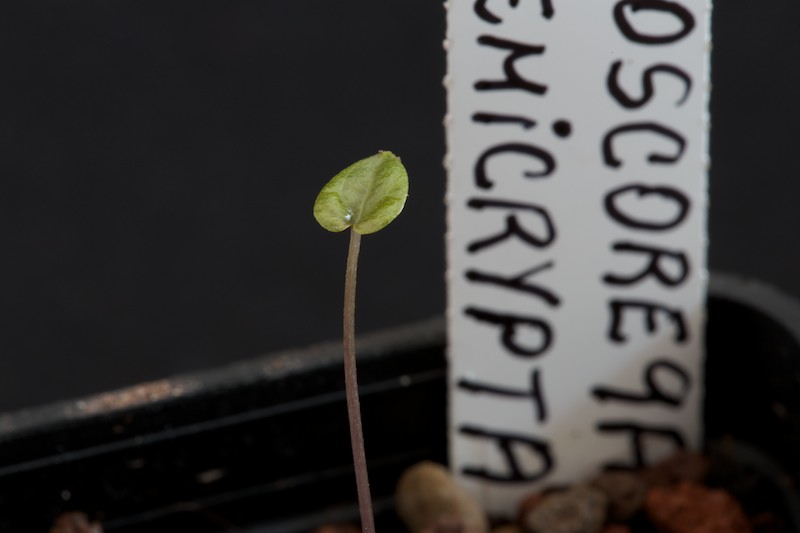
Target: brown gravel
625 491
75 522
581 509
692 508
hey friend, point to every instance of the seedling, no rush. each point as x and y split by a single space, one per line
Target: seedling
365 197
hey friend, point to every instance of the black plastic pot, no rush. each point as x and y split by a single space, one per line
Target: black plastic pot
263 445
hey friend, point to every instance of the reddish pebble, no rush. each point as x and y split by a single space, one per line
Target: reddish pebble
75 522
692 508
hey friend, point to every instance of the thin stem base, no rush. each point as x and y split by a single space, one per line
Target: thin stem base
351 386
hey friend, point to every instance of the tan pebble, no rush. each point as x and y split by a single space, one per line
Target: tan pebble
533 499
625 491
581 509
428 497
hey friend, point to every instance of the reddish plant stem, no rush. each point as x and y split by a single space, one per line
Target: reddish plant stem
351 385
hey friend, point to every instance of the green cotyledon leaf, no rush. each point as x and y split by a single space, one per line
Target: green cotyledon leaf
367 195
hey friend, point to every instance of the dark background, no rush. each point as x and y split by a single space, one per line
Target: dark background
159 161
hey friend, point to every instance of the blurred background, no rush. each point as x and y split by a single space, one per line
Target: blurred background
159 161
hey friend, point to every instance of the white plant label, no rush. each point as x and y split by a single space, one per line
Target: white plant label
577 159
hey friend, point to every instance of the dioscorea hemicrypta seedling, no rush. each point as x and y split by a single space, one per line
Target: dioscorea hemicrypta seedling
365 197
